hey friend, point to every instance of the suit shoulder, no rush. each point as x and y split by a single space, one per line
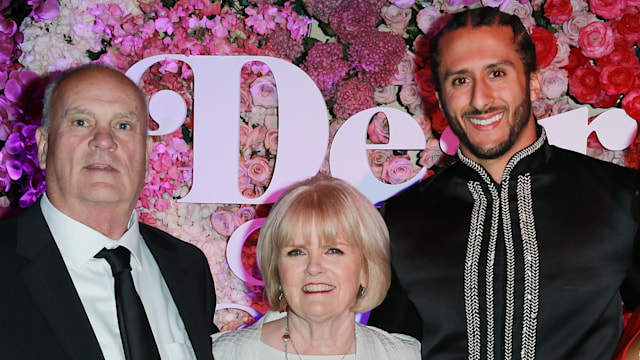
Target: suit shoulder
162 238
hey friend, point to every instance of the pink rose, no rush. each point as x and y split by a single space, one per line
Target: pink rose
596 40
244 214
403 3
409 95
246 100
562 105
377 159
432 154
425 124
427 17
386 95
255 140
222 221
564 49
608 9
404 71
396 18
271 141
245 130
577 21
541 109
263 92
554 82
258 170
398 169
378 129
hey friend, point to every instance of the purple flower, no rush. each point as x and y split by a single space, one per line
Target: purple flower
44 9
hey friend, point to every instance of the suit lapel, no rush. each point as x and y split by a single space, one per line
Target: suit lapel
46 277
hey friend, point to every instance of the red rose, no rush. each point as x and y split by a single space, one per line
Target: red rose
584 85
438 121
629 27
546 46
606 101
426 89
576 60
631 104
622 54
617 79
558 11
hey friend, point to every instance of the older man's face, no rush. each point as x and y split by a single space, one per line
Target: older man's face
96 150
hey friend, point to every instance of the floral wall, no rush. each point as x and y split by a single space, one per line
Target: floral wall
360 53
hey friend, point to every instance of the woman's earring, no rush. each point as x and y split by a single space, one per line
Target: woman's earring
281 293
361 291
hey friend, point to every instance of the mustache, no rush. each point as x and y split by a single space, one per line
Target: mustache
476 112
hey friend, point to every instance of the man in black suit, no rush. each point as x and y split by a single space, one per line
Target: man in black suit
519 249
57 299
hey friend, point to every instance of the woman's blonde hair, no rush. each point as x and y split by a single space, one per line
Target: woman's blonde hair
328 208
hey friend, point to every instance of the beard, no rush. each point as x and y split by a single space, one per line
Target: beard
521 117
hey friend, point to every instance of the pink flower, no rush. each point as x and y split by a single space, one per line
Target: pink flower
271 141
427 18
425 124
432 155
576 22
396 18
398 169
541 109
376 159
596 40
409 95
258 170
263 92
352 97
608 9
375 55
244 214
378 129
404 70
324 64
222 221
387 94
403 3
554 82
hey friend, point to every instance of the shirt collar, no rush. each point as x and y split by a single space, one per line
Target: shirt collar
78 243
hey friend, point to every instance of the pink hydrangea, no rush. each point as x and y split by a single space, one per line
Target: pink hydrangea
353 96
324 64
351 18
280 44
375 55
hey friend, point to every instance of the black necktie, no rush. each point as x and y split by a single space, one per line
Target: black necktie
135 331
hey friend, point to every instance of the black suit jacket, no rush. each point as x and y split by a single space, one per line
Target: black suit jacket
41 315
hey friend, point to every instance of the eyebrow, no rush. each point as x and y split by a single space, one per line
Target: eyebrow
486 67
82 111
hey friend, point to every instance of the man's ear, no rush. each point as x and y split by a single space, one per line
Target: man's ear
42 138
148 153
535 86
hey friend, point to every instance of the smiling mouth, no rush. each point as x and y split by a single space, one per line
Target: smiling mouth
485 122
313 288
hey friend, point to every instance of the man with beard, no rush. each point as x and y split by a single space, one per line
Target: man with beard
519 249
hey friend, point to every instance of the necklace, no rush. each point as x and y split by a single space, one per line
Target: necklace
286 338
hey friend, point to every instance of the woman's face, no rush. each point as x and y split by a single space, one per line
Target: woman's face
321 281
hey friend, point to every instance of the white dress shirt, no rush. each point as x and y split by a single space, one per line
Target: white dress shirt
93 281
